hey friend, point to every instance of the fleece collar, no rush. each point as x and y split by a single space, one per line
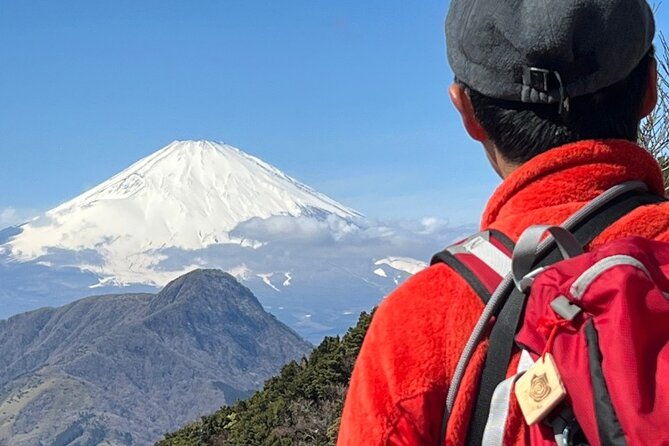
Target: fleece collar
570 175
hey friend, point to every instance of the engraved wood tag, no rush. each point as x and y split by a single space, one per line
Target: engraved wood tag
540 390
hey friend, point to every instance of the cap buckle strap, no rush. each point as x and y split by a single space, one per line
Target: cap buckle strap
538 83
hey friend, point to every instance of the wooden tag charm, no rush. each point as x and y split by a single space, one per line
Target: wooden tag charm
540 389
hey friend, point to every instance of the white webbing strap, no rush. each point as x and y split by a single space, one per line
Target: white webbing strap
493 434
489 254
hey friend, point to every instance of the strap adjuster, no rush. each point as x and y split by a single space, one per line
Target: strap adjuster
544 86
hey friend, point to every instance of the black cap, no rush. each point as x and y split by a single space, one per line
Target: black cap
546 51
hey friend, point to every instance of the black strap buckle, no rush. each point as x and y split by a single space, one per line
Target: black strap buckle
566 429
540 87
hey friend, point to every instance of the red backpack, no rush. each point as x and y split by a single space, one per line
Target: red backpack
593 329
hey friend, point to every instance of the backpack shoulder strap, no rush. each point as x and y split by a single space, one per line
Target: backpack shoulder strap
483 260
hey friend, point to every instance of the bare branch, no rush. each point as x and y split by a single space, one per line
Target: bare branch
654 129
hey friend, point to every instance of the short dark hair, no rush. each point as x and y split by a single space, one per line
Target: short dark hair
521 131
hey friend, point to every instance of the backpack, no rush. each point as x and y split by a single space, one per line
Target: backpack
563 309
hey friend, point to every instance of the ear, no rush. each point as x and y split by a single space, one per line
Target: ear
650 97
463 104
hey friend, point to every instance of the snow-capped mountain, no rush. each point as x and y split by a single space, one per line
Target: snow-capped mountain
188 195
313 262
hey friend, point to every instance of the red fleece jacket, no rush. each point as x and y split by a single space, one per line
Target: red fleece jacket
400 380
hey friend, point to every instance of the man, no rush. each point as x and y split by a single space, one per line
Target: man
554 91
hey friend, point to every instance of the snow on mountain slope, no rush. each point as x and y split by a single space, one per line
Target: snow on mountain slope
406 264
188 196
398 268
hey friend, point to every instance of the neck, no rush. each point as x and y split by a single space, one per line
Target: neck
503 167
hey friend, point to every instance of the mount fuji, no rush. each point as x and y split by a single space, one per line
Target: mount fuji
188 195
313 262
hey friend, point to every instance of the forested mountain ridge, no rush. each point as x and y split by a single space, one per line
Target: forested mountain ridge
301 406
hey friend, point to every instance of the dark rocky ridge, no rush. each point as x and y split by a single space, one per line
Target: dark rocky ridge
124 369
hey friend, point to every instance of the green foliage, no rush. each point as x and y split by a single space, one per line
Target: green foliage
300 406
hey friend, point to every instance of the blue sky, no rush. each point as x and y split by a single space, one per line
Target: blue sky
349 97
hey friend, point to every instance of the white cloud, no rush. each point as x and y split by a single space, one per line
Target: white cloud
299 230
321 267
308 247
295 252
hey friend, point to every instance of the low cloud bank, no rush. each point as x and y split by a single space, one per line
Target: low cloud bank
314 274
328 249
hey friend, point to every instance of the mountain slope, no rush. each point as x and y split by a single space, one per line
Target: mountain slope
127 368
301 406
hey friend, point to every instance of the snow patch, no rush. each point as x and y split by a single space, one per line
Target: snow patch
266 278
380 272
406 264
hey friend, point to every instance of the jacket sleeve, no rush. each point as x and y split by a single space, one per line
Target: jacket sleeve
399 382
